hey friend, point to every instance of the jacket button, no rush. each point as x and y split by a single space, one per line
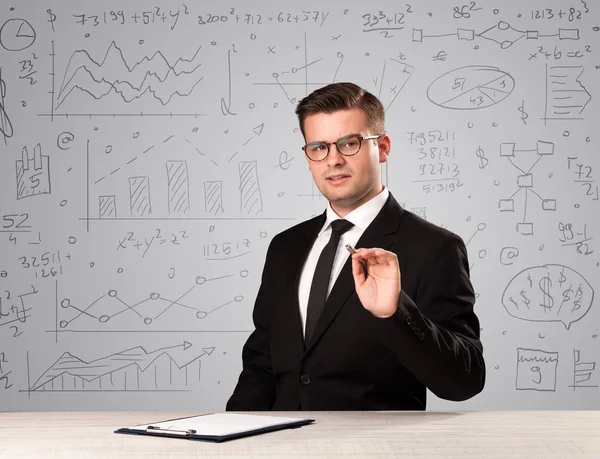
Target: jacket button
421 336
408 320
305 379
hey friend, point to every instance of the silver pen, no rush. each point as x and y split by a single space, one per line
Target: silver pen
362 262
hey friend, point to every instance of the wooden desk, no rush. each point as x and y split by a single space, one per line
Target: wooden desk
494 434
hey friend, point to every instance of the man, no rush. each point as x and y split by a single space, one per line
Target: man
398 316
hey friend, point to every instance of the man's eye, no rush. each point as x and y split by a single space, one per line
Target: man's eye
320 147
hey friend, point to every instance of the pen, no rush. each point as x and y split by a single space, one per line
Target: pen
362 262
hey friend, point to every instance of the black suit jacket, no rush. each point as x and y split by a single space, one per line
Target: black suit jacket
355 361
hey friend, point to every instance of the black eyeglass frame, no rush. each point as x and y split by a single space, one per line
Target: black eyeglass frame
360 140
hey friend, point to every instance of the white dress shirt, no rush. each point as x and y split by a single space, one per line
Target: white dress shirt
361 217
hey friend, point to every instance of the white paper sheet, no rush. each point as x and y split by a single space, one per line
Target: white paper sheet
220 424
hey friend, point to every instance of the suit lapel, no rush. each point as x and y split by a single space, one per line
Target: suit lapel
380 233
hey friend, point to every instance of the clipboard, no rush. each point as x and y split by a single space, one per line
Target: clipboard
216 427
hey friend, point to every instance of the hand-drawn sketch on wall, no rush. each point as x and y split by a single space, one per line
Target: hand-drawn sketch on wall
501 33
582 372
251 201
153 75
204 166
64 140
17 35
107 207
508 254
213 197
471 88
393 79
15 311
6 128
92 80
536 370
394 76
179 190
173 368
525 182
256 130
549 293
112 312
33 174
139 196
566 96
177 182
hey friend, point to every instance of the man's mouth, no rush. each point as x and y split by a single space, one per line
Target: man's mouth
334 178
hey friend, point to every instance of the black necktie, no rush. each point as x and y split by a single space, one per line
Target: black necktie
320 283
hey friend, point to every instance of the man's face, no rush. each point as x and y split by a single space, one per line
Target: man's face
346 181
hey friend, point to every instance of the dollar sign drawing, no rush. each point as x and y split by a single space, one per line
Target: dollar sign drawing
52 18
525 299
577 302
482 159
524 114
567 294
547 300
562 277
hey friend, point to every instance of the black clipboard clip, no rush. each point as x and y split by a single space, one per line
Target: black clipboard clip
159 430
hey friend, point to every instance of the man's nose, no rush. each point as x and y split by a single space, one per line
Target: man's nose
335 157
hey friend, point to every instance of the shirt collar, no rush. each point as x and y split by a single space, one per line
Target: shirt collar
362 216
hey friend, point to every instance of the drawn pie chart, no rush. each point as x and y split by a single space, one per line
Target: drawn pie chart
16 35
471 88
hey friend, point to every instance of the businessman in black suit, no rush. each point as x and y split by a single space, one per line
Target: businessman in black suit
367 331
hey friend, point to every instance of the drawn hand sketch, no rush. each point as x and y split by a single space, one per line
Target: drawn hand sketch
549 293
173 368
536 370
33 174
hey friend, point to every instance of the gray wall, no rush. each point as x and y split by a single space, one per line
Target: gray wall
149 155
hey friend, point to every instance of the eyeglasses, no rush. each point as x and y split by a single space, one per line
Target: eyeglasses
346 146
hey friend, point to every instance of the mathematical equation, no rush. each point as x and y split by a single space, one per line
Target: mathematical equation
159 238
583 174
227 249
558 53
572 14
14 311
438 172
147 17
570 237
171 17
4 373
47 264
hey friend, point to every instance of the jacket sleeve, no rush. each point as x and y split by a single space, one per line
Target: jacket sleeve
255 389
436 335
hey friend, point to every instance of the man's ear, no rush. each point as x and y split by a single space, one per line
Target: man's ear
384 144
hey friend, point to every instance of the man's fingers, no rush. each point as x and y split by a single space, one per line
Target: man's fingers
374 256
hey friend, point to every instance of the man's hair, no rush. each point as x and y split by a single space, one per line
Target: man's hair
342 96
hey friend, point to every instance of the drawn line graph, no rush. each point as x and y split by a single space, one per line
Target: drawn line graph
107 307
151 75
173 368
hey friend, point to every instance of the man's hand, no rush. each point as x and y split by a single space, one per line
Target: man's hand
379 291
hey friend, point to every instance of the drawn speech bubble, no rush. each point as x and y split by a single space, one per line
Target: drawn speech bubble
549 293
